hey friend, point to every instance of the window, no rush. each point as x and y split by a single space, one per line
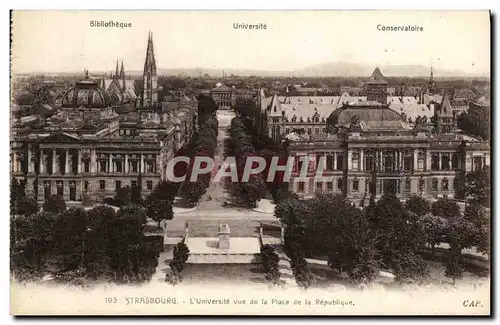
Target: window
435 161
309 131
329 186
329 162
301 187
316 130
118 166
389 158
445 185
455 162
102 185
355 160
408 185
60 188
355 185
46 189
319 186
118 185
421 185
134 184
85 186
149 167
421 160
340 183
340 161
369 160
434 184
477 163
134 167
300 164
407 160
445 162
149 185
287 130
102 166
86 167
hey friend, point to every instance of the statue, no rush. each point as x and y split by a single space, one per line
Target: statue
355 125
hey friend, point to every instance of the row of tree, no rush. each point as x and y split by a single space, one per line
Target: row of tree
385 235
246 140
240 146
204 145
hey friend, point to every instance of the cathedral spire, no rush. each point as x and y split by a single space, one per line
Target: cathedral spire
116 71
122 71
150 94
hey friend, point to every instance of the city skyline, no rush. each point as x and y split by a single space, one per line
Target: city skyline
287 43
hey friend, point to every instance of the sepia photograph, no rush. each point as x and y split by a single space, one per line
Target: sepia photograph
250 162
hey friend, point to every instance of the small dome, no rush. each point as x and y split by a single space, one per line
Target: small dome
86 94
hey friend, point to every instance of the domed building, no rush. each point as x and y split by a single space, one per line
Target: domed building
87 151
86 94
370 150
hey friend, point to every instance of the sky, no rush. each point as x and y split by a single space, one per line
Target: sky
63 41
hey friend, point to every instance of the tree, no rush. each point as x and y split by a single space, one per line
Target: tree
27 206
99 242
253 190
136 192
54 204
435 228
192 191
418 205
446 208
400 238
16 195
478 186
180 256
123 196
159 209
136 214
131 259
69 238
479 218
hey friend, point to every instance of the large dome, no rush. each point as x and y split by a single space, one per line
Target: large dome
366 111
86 94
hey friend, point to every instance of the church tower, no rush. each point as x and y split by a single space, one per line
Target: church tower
376 87
116 71
432 84
150 92
122 76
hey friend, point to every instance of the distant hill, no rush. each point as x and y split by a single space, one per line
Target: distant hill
348 69
329 69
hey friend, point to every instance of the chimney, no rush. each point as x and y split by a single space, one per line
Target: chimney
224 236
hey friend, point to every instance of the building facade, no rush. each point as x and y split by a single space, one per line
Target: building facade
370 150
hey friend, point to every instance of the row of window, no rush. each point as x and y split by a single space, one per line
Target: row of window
72 185
329 185
119 167
445 185
118 185
389 161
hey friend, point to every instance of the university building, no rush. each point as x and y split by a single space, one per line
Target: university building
87 150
